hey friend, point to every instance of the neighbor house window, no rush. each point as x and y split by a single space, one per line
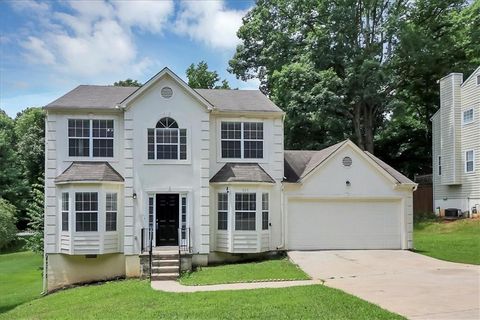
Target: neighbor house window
111 212
65 207
469 161
264 211
90 138
242 140
439 165
166 141
86 211
478 80
245 209
222 211
468 116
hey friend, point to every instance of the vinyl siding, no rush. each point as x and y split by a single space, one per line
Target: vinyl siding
450 128
469 135
50 189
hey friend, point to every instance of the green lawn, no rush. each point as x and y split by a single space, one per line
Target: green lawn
132 299
457 241
245 272
20 278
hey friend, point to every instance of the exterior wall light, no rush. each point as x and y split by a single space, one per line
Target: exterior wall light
347 183
134 196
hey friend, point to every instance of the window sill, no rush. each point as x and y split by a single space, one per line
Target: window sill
89 159
160 162
250 160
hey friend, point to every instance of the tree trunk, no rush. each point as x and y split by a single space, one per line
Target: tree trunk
357 125
368 128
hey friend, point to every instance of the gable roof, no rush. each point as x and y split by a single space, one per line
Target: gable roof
242 172
298 164
92 97
238 100
83 171
111 97
471 76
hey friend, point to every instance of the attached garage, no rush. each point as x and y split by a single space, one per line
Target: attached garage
344 198
344 224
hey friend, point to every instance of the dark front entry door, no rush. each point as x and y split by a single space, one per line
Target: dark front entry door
167 220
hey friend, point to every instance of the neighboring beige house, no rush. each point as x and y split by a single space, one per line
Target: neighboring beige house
203 176
456 144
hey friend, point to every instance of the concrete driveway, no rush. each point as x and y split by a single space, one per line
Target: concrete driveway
410 284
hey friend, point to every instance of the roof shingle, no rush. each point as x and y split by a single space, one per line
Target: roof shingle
242 172
238 100
82 171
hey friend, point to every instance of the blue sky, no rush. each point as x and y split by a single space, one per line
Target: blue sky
48 48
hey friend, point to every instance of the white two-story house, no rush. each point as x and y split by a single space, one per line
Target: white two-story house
456 144
202 173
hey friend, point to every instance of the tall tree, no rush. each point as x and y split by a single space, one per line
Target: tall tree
349 40
36 217
30 143
433 41
127 83
199 77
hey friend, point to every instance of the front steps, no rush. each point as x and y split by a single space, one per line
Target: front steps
165 265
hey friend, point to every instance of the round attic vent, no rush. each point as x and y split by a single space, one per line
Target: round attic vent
166 92
347 161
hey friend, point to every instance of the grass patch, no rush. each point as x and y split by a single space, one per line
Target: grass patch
457 241
133 299
280 269
20 278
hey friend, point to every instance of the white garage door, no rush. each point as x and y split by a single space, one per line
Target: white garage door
344 224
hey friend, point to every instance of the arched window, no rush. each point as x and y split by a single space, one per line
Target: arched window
166 141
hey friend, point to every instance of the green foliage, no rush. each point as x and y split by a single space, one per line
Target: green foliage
35 212
11 182
30 143
8 230
359 69
127 83
199 77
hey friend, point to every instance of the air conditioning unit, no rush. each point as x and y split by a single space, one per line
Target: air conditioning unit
453 213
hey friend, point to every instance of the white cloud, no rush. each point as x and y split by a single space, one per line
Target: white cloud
210 22
37 51
147 15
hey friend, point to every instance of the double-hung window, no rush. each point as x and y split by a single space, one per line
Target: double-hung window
166 141
111 212
265 211
245 211
241 140
65 208
222 208
90 138
468 116
86 211
469 161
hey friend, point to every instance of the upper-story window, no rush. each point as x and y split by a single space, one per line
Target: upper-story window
166 141
242 140
468 116
469 161
90 138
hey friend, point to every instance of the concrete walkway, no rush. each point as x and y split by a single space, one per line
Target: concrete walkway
410 284
175 286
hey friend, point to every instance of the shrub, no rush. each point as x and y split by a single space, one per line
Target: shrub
35 213
8 230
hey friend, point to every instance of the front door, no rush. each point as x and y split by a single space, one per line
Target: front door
167 219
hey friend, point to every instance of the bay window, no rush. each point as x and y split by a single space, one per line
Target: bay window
265 206
65 209
241 140
222 209
90 138
86 211
111 212
245 211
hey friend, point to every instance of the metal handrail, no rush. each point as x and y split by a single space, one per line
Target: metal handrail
184 244
150 239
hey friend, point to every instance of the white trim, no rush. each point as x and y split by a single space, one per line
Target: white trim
473 160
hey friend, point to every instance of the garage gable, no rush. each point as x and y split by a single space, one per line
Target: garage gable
349 171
